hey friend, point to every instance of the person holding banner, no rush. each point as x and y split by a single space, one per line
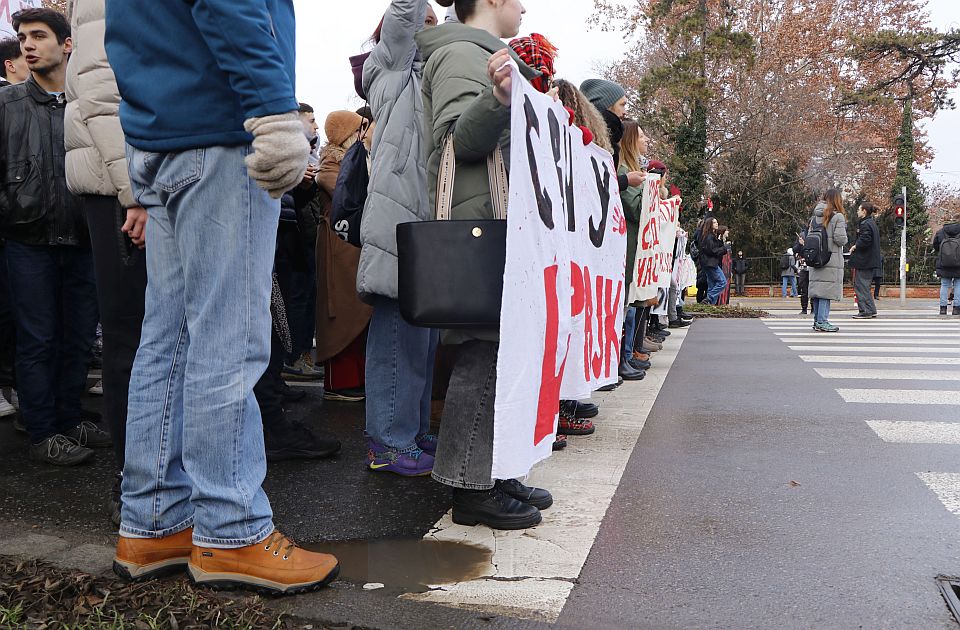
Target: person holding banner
633 146
467 95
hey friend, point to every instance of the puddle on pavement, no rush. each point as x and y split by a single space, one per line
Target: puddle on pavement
408 565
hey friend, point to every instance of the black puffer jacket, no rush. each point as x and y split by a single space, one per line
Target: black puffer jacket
36 207
950 230
712 250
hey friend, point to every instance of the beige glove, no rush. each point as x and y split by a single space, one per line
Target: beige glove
280 152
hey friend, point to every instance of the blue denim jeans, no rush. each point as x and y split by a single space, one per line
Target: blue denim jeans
195 453
629 331
945 285
54 300
789 280
399 377
821 310
716 283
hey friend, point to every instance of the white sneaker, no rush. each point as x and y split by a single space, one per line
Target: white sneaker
6 408
96 390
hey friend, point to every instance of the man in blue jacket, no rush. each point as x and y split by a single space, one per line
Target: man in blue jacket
214 139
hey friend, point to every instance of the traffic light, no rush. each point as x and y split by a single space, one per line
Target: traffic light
899 211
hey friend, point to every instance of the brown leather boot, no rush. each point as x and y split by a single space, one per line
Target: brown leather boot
148 558
275 566
641 356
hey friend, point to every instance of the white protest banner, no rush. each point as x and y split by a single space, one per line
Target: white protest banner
658 225
7 9
564 284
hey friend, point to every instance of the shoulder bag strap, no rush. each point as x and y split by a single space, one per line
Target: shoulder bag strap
446 175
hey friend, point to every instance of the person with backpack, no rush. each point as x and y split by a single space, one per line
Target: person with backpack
712 251
466 98
803 273
341 318
740 268
823 251
400 357
947 245
865 260
788 273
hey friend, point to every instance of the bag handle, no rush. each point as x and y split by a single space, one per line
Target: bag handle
446 175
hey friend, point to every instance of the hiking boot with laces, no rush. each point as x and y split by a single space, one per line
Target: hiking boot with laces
493 508
89 435
59 450
275 566
140 559
571 425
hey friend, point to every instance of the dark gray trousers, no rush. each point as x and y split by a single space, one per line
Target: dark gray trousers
863 287
465 448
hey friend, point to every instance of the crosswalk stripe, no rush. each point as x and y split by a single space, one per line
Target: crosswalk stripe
888 375
807 346
952 337
866 358
923 330
900 396
872 340
947 488
904 432
779 321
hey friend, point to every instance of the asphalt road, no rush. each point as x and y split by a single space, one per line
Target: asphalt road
757 498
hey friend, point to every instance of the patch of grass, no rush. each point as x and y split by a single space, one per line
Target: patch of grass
34 594
724 312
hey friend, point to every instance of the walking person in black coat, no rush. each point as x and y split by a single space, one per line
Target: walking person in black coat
865 260
740 268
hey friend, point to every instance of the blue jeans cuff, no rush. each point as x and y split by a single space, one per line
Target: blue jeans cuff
133 532
233 543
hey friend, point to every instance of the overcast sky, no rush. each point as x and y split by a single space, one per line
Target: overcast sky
330 32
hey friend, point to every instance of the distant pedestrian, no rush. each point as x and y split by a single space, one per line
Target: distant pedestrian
947 245
826 282
865 260
741 266
788 273
803 273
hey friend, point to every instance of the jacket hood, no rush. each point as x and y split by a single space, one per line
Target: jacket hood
952 229
430 40
819 210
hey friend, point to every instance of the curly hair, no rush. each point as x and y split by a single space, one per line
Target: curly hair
584 113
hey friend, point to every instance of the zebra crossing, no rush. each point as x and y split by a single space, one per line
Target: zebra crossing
909 368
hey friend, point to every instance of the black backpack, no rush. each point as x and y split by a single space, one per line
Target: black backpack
785 262
350 193
816 246
949 253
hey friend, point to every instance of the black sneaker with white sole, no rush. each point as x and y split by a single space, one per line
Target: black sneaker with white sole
59 450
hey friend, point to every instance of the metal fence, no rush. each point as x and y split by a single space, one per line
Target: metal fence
766 270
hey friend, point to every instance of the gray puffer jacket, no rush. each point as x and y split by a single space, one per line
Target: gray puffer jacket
827 282
398 179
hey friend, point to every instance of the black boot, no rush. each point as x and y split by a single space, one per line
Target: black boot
493 508
639 365
943 310
285 440
537 497
628 373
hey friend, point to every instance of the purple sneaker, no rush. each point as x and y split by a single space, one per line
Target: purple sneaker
428 443
413 464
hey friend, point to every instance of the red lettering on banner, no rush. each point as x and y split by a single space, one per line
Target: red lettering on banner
611 309
550 378
576 282
588 324
597 359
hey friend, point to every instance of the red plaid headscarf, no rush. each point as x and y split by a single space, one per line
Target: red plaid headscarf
537 52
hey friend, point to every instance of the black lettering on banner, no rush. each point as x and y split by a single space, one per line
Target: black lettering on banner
563 157
544 203
603 188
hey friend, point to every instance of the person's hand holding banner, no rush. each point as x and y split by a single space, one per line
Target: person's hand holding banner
501 73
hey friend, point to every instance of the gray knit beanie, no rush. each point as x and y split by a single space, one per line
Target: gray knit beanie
602 93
